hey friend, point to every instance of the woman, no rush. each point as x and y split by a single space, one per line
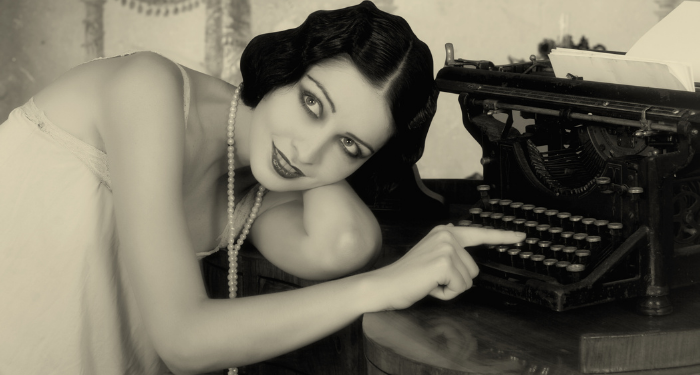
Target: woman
116 179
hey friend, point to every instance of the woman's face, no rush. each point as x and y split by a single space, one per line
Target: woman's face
318 131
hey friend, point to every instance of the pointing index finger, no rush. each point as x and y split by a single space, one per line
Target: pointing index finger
467 236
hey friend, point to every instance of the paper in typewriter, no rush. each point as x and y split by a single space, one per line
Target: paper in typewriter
622 69
674 38
663 58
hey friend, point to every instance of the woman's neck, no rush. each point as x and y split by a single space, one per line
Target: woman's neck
241 141
214 107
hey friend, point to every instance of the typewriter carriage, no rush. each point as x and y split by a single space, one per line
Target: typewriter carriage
620 153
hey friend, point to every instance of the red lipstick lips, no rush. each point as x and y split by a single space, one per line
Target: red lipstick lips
283 166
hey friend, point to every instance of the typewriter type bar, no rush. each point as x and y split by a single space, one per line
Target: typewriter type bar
603 178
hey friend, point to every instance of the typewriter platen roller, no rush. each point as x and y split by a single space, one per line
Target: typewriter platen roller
604 179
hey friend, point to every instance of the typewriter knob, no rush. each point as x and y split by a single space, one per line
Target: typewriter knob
449 54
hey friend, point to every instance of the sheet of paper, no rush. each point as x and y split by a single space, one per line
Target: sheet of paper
622 69
676 37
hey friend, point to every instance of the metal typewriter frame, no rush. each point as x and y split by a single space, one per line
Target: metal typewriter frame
656 115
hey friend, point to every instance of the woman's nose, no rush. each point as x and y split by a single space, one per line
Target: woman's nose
309 149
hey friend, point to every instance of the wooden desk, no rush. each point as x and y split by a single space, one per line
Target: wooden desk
484 333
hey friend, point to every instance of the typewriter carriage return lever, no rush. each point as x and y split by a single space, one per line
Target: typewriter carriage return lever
604 180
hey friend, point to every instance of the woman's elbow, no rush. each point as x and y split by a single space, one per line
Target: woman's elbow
353 250
179 355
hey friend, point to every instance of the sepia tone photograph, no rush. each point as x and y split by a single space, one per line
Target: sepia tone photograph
343 187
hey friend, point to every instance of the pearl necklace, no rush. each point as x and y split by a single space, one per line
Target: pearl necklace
232 247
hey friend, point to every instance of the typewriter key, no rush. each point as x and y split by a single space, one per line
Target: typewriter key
498 251
519 225
525 262
484 192
464 223
536 262
555 251
508 222
515 208
513 258
587 224
544 248
551 216
555 234
593 244
497 220
539 214
580 240
493 204
635 193
601 228
575 272
485 218
505 206
567 238
530 228
560 271
615 233
563 220
548 265
475 213
582 257
567 253
502 254
531 243
575 223
527 211
543 231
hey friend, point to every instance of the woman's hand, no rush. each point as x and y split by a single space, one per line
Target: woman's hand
438 265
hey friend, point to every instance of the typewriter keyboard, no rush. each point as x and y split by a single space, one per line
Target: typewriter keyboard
559 245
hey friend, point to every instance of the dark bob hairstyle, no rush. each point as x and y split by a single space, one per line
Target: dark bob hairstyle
383 48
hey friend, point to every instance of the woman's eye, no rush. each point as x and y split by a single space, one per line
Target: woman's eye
312 105
351 147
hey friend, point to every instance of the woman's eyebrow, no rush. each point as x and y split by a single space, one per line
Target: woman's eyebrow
358 140
320 86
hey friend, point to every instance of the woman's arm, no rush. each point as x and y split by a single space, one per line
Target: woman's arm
319 234
143 131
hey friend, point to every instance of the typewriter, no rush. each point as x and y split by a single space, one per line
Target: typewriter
603 179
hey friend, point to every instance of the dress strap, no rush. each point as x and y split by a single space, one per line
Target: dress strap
186 89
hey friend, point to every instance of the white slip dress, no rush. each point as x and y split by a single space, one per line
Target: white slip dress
68 307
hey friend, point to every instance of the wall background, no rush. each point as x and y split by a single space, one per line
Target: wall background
40 39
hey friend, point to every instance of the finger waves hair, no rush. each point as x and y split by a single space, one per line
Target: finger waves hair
383 48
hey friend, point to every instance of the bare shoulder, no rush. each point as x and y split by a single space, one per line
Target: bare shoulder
76 100
144 84
147 71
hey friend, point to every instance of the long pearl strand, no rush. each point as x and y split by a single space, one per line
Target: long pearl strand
233 246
